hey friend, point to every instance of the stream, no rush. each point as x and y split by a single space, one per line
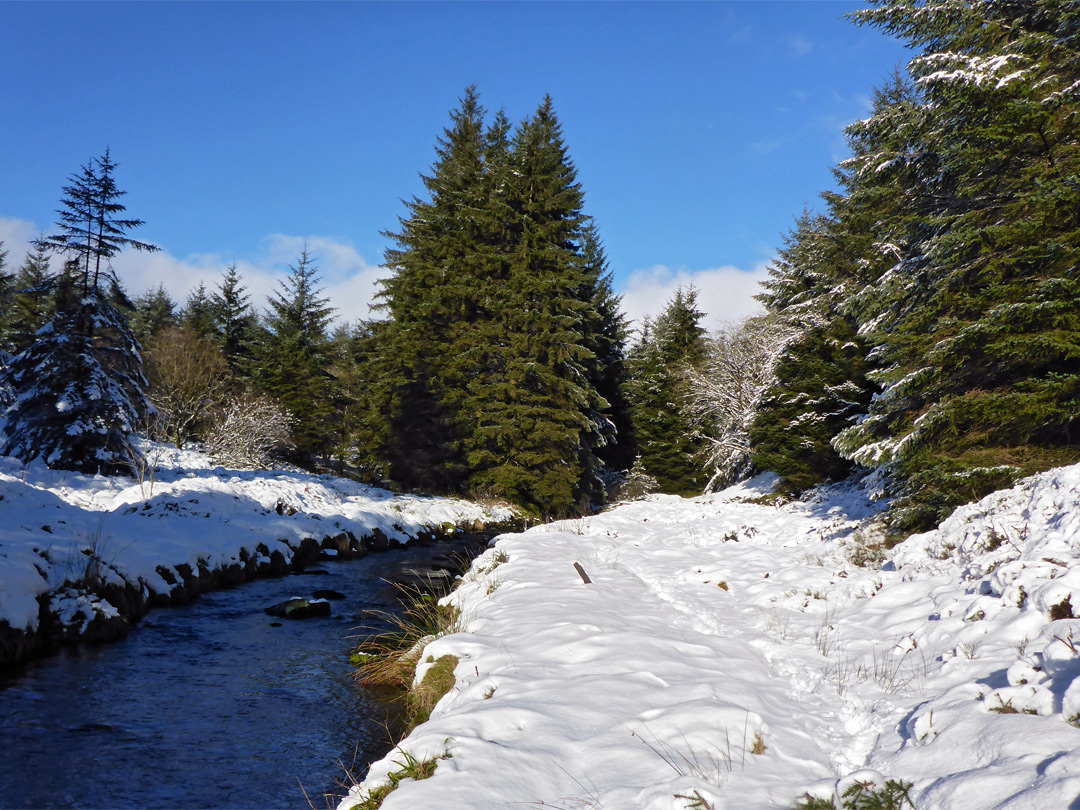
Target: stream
205 705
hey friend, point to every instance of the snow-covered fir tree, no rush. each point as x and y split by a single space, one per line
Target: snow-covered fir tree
78 389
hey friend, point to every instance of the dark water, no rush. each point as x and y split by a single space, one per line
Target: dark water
205 705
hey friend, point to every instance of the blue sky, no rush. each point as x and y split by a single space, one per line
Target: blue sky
700 130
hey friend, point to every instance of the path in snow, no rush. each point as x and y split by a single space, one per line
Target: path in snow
715 623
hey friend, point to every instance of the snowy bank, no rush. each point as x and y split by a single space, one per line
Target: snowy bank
82 555
731 654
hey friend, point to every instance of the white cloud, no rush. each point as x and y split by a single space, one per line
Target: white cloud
16 234
725 294
348 279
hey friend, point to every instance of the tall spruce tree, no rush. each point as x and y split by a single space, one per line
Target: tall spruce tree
976 322
607 332
499 307
430 299
233 321
79 390
534 441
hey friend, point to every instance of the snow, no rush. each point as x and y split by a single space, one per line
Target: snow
58 529
975 70
729 653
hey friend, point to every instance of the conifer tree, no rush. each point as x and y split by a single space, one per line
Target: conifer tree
154 312
426 348
7 302
500 306
821 384
607 331
291 361
32 297
90 227
234 323
667 447
977 328
365 426
534 441
79 391
198 312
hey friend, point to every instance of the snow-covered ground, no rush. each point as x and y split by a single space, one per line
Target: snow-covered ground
62 527
731 654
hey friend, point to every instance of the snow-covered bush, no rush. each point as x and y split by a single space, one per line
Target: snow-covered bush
249 431
725 391
634 484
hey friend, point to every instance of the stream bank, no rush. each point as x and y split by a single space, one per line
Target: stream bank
84 557
105 610
214 703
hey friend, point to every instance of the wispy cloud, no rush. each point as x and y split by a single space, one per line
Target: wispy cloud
798 45
725 294
348 279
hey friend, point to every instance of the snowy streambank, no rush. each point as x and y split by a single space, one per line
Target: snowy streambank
729 654
80 554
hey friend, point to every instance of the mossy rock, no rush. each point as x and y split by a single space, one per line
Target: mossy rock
437 681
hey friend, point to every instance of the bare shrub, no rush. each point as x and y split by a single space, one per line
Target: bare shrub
188 376
248 431
724 392
144 455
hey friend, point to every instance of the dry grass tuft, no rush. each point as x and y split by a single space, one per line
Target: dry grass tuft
389 658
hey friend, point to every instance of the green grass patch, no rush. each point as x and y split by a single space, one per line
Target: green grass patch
864 796
411 768
389 658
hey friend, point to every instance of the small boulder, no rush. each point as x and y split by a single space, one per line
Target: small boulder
299 609
328 594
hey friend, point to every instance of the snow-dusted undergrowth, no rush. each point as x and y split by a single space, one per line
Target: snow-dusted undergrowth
728 654
62 527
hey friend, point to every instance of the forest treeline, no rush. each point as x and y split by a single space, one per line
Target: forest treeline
922 326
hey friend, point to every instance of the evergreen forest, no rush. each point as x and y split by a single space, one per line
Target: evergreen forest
921 326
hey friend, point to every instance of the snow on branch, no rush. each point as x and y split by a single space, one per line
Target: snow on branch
724 393
959 68
248 432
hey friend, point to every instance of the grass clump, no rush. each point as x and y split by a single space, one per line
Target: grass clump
696 801
411 768
389 658
869 546
758 747
865 796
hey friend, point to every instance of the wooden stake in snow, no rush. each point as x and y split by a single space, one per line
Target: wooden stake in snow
584 576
